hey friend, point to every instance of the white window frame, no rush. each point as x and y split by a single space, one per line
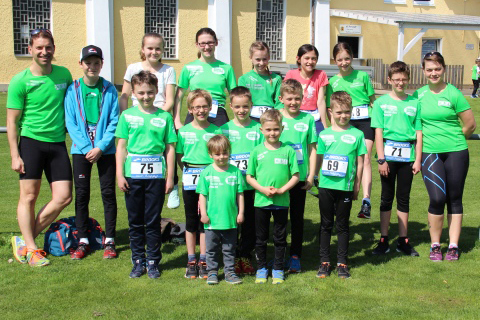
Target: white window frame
429 3
284 33
439 46
395 1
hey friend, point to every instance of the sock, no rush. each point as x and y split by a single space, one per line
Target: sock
452 245
84 240
109 240
435 244
203 257
367 200
191 257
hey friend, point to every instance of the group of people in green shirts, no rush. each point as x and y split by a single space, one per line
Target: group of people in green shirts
239 172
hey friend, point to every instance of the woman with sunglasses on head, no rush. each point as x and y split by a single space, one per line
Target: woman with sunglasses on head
445 157
206 73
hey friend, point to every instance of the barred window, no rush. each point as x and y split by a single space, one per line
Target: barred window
161 17
27 16
270 25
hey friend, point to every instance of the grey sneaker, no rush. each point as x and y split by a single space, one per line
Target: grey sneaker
232 278
212 279
152 270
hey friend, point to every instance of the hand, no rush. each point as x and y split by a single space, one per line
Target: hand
268 191
308 183
204 219
383 169
122 183
417 167
178 124
93 155
18 165
240 218
169 186
279 191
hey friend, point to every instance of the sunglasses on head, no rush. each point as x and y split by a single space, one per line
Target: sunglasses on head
432 53
38 30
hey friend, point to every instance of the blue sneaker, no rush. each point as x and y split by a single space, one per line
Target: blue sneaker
278 276
212 279
152 270
138 269
232 278
262 275
294 264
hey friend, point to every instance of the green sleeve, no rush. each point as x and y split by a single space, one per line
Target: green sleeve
320 146
278 85
368 85
312 131
16 94
328 94
252 163
461 104
292 161
231 81
122 128
171 136
184 79
202 186
179 147
241 81
361 146
377 116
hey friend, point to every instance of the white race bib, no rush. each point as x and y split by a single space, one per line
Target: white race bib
334 165
299 151
190 177
360 112
146 167
314 113
257 111
398 151
240 160
214 111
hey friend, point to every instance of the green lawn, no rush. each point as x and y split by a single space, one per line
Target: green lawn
393 286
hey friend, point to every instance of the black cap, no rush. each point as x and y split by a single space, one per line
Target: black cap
89 51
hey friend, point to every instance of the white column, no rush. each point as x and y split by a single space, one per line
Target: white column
100 32
322 30
220 20
401 42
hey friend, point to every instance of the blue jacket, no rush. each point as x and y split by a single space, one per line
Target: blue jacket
77 123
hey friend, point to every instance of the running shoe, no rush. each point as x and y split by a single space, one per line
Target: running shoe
262 276
324 270
246 266
82 250
452 254
19 249
365 210
173 198
152 270
110 252
212 279
138 269
238 266
473 96
406 248
294 264
232 278
382 247
202 270
191 271
436 253
37 258
342 271
278 276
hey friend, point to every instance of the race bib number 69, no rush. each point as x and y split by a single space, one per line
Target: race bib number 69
334 165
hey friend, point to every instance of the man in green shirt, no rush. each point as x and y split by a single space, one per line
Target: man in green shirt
35 111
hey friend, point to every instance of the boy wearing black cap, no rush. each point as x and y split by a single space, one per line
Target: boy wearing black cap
91 116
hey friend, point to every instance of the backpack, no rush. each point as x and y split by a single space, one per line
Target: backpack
62 236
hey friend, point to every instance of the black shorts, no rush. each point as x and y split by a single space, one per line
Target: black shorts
364 126
39 156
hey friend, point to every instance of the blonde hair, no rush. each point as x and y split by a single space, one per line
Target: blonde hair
340 99
151 35
291 86
271 115
261 46
218 143
199 93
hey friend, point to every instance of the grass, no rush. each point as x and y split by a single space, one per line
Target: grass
393 286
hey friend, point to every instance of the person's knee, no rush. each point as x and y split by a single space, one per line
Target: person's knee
62 200
29 198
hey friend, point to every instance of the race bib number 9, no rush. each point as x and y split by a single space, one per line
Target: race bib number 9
146 167
257 111
299 151
360 112
214 111
398 151
240 161
190 178
334 165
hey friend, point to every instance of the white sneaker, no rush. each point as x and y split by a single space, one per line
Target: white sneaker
173 198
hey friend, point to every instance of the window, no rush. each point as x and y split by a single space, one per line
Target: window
355 44
431 45
270 26
29 15
395 1
423 2
161 17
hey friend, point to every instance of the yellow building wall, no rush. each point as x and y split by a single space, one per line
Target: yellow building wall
68 41
244 19
298 29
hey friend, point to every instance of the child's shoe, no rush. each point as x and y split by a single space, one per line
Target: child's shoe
294 265
212 279
324 270
382 247
81 252
173 198
191 272
452 254
404 246
246 266
278 276
238 266
110 252
232 278
436 253
342 271
262 275
202 270
152 270
138 269
37 258
365 210
19 249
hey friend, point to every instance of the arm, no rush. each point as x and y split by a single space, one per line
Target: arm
70 103
383 169
372 99
178 108
179 160
268 191
241 208
358 178
169 97
120 160
469 124
170 167
126 93
13 117
202 201
322 106
312 156
417 165
290 184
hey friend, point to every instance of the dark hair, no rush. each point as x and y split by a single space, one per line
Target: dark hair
42 33
340 99
342 46
240 91
304 49
434 56
205 31
151 35
291 86
144 77
398 67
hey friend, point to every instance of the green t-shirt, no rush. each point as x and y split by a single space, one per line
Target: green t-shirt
299 133
146 134
475 72
442 131
192 143
340 150
265 90
272 168
92 99
357 84
242 140
221 189
399 119
214 77
41 100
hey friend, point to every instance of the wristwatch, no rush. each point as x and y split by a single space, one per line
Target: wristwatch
381 161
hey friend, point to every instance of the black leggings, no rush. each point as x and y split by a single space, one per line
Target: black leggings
444 175
476 84
402 173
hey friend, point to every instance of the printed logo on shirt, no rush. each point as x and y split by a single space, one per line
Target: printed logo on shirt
252 135
214 181
90 94
302 127
356 83
233 135
158 122
310 91
231 180
335 84
134 121
261 155
194 70
388 110
328 139
442 103
348 138
35 83
218 70
258 86
61 86
411 111
208 136
280 161
251 78
189 137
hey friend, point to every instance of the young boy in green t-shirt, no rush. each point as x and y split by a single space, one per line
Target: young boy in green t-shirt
272 171
342 149
144 133
298 132
192 157
398 137
244 135
220 189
